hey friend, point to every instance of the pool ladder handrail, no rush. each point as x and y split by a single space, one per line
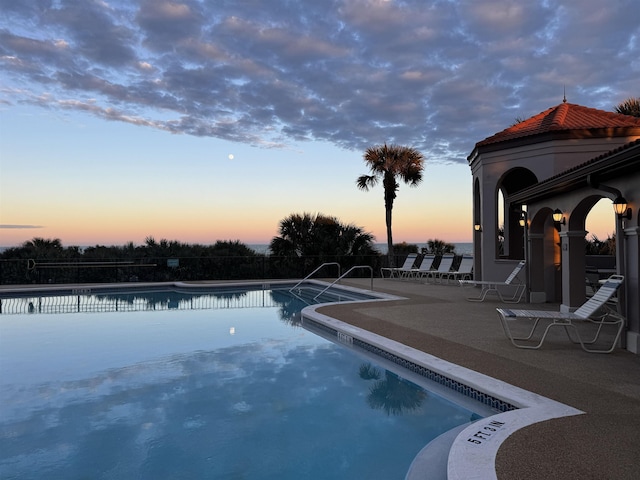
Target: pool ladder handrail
321 266
344 275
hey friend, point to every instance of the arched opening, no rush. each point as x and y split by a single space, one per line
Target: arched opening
546 255
600 239
499 227
477 229
509 234
601 222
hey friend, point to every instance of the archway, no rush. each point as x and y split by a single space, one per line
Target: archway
477 229
545 258
601 223
508 215
599 253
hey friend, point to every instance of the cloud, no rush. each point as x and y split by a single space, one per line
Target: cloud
20 226
437 75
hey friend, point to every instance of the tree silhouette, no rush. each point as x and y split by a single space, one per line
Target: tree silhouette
320 235
41 248
440 247
390 163
630 106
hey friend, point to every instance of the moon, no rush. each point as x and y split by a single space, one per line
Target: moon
231 156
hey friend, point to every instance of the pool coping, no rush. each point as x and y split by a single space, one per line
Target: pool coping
88 288
473 451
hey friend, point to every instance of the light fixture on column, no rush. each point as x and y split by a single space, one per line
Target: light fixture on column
558 217
621 208
522 221
477 227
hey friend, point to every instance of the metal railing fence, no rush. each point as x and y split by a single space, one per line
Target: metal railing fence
155 269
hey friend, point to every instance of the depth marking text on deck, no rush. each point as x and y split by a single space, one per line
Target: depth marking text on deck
485 432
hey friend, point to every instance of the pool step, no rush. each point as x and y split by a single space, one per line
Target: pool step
431 461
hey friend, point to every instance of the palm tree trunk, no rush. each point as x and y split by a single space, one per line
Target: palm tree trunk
390 255
390 186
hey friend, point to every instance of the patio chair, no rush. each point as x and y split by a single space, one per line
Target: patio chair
397 272
463 272
594 310
494 287
445 265
425 267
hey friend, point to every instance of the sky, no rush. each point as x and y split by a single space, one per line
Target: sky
200 121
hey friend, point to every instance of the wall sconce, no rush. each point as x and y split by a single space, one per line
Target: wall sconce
477 227
558 218
621 209
523 219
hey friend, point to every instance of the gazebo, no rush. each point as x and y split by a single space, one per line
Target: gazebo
533 187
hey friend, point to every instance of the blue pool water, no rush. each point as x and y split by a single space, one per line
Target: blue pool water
224 385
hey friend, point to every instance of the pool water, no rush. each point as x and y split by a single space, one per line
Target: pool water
235 392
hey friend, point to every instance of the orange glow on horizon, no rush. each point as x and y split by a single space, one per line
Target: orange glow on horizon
85 227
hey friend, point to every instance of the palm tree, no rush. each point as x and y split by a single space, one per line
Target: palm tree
440 247
42 248
296 233
319 235
390 163
631 106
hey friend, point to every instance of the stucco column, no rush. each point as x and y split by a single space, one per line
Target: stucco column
536 268
573 269
632 287
477 254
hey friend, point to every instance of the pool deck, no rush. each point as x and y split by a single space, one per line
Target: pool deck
437 319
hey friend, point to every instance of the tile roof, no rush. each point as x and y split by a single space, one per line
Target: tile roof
563 117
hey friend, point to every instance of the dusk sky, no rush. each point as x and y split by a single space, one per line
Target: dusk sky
212 120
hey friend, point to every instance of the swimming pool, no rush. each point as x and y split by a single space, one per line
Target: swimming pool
179 383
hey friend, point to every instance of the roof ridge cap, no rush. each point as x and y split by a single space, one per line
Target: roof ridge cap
599 111
559 115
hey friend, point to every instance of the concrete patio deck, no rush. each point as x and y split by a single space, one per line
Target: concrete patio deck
602 444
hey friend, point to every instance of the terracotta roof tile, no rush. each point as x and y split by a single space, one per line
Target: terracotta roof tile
566 116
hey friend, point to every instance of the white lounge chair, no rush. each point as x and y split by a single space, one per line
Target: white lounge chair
425 267
593 311
463 272
398 272
445 265
494 286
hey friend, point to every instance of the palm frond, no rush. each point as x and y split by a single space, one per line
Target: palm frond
365 182
631 106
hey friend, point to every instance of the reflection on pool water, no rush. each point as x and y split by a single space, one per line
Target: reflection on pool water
235 392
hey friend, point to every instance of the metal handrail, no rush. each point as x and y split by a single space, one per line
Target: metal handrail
344 275
307 277
32 264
